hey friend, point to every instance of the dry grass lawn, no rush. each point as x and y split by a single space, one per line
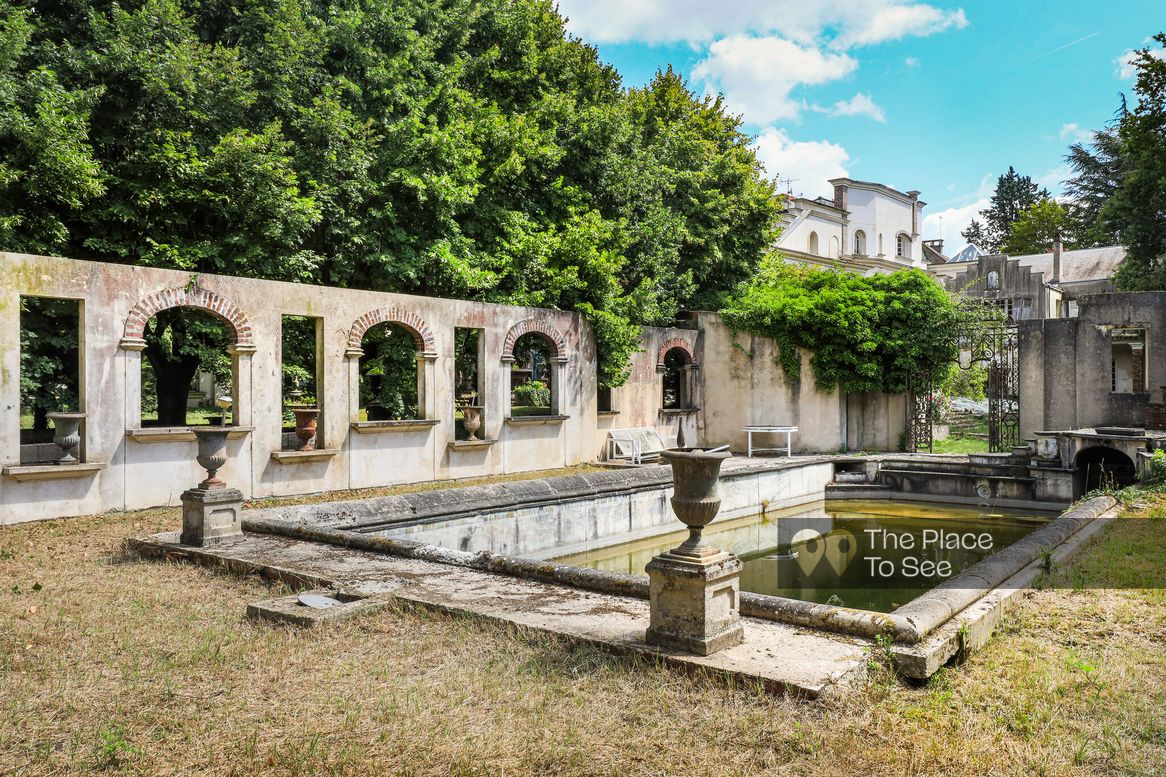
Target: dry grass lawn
114 664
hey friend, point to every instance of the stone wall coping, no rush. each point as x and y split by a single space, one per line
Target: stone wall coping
148 434
25 472
395 425
301 457
535 420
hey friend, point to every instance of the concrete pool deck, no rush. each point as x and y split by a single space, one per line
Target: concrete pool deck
783 657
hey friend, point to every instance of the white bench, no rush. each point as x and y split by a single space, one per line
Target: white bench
751 430
637 445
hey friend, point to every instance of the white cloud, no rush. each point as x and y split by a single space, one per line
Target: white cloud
1125 63
911 62
1074 133
897 21
849 22
948 224
859 105
808 164
757 75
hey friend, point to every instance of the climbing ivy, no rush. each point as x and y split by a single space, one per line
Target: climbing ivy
864 333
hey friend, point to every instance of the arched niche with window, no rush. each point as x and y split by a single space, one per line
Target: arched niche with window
835 247
902 246
535 354
677 368
391 354
813 243
197 347
859 243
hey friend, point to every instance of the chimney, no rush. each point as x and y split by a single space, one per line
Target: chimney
840 196
1056 259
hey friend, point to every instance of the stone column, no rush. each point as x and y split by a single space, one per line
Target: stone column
241 390
426 384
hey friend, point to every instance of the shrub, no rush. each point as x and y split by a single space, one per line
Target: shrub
533 393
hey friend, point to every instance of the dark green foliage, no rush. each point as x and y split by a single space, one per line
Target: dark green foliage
1135 211
179 343
461 148
48 357
1038 226
533 393
865 333
298 360
1014 193
1096 176
388 374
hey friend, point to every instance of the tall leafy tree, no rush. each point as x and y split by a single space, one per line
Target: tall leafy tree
975 234
465 148
1095 179
1014 192
1137 209
1038 226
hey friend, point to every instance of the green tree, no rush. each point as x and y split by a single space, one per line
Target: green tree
1136 207
1013 194
873 333
1096 176
1038 226
975 234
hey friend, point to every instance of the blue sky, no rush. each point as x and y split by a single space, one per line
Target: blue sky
935 96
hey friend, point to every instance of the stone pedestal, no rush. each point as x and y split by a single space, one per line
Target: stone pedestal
695 604
211 516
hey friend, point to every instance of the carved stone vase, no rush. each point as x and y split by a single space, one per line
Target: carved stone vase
212 454
696 496
306 427
472 421
67 435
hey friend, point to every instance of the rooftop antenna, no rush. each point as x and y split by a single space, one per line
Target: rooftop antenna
789 185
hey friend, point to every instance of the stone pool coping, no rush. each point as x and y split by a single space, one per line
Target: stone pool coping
908 625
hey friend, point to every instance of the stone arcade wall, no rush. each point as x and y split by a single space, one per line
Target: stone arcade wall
1065 379
148 467
731 381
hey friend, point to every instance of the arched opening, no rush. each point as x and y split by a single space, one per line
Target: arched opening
835 247
389 375
531 376
880 244
813 243
677 392
187 374
1103 467
860 243
903 246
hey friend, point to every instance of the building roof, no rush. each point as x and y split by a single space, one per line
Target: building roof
932 253
1078 265
970 253
911 196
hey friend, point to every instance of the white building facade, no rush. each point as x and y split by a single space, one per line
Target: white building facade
867 228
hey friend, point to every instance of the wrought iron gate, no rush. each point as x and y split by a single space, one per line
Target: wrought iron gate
994 343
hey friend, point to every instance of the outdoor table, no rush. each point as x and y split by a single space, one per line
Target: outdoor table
751 430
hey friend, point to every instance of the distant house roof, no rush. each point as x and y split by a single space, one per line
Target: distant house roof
933 252
1078 265
970 254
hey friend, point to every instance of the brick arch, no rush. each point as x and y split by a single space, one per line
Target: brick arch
675 342
537 326
413 323
195 297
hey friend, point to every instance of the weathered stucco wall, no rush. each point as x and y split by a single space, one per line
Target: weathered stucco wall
745 386
138 473
1065 378
730 381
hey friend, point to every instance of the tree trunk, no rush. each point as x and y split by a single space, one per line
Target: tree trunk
172 379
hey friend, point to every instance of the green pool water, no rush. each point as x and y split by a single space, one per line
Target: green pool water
873 555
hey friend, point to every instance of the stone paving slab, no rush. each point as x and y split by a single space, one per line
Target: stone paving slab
785 658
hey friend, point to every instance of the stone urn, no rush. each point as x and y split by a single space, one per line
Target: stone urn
212 453
306 427
696 496
67 435
472 421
